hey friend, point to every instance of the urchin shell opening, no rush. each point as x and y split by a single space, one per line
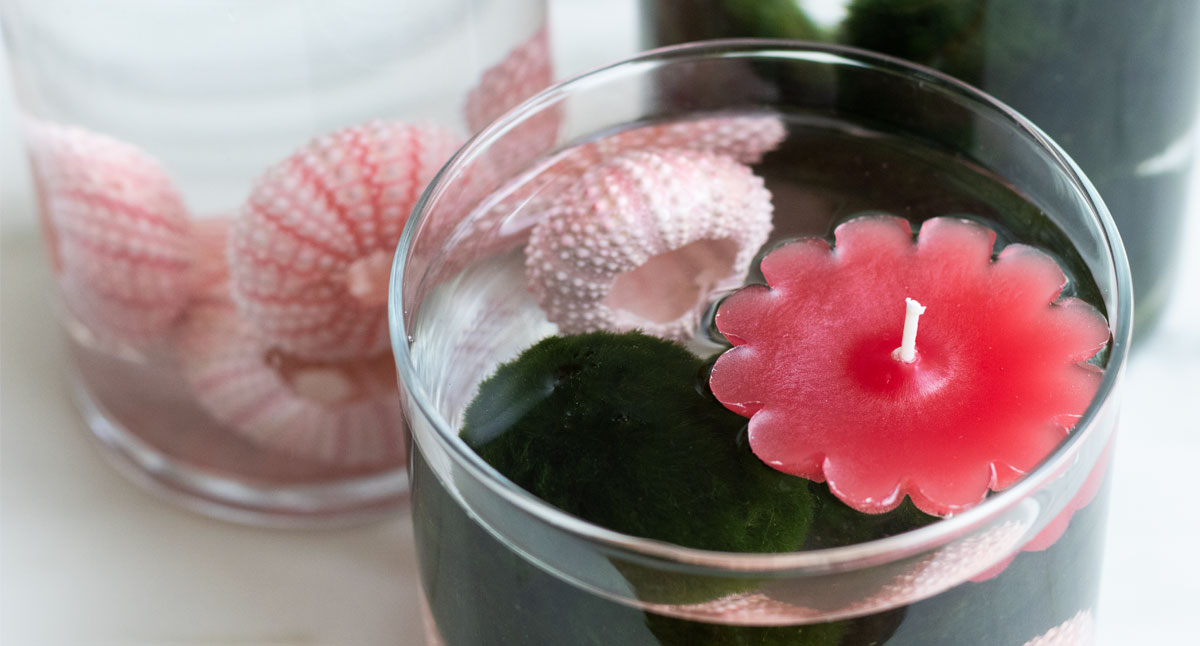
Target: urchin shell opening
334 383
367 278
672 284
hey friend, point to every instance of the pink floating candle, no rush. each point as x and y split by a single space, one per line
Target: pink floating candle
834 391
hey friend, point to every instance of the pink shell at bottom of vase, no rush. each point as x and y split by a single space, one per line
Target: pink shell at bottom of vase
117 228
345 413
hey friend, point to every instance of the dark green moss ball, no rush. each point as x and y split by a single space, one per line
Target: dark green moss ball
618 429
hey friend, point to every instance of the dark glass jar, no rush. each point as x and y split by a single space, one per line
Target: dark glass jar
1116 83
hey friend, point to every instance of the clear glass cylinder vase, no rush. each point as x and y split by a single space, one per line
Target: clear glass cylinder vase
857 133
222 185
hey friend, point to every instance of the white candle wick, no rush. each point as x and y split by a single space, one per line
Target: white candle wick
907 352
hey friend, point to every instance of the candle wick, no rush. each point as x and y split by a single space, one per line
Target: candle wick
907 352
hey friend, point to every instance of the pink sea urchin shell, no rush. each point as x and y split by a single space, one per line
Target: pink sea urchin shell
344 413
525 71
117 228
311 251
888 587
1076 631
744 137
643 241
504 222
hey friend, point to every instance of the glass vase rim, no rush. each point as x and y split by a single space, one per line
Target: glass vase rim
818 561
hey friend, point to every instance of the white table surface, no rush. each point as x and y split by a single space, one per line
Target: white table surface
88 558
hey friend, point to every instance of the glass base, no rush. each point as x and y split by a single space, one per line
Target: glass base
432 636
345 502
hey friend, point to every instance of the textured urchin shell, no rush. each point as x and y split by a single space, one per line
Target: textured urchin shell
944 568
901 584
698 219
343 413
524 71
744 137
117 228
1079 630
504 221
312 247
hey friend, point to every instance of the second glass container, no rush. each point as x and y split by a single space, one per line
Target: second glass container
222 185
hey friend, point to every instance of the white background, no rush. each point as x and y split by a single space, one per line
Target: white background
87 558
